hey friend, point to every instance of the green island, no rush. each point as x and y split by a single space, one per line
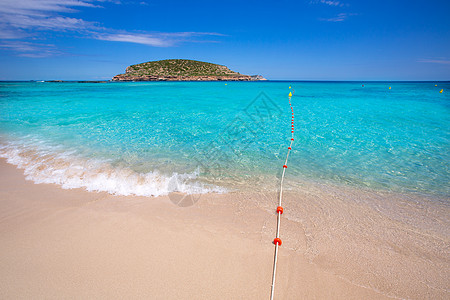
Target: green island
182 70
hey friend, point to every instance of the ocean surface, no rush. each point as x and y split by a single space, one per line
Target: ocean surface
153 138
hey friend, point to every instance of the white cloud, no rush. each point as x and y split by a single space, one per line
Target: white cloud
435 61
339 18
329 2
41 7
25 17
144 39
28 49
58 23
21 19
8 34
158 39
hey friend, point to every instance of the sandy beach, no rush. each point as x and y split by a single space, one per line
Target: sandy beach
72 244
69 244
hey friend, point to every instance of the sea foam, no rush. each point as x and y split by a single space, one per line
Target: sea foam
45 164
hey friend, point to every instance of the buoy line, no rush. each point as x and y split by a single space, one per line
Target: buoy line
277 240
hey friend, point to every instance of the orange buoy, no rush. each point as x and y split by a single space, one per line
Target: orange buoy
289 148
284 166
280 210
277 241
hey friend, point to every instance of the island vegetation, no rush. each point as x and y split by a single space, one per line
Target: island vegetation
182 70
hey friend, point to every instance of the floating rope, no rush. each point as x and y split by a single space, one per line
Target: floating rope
277 240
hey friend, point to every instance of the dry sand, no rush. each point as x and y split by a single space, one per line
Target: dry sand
72 244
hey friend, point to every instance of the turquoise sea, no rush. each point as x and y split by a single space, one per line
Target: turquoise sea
153 138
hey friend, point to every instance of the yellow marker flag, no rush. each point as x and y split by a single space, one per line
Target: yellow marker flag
290 94
389 87
441 91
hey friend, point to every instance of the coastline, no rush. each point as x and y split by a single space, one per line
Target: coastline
57 243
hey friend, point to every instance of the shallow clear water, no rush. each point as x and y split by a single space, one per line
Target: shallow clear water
156 137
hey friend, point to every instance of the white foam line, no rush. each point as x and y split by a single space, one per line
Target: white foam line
46 165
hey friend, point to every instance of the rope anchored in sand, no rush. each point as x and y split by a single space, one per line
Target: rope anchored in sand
277 240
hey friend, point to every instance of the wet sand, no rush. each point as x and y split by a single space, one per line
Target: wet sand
72 244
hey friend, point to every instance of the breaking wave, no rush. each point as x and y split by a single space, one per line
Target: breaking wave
44 164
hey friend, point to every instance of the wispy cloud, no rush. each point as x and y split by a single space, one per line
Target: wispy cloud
9 34
144 39
28 49
58 23
339 18
329 2
435 61
158 39
334 3
20 19
42 7
32 17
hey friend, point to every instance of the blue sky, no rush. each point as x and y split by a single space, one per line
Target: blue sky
291 40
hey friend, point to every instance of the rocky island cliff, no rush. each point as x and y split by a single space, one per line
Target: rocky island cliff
182 70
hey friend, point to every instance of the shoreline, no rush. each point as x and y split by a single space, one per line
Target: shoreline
57 243
181 252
